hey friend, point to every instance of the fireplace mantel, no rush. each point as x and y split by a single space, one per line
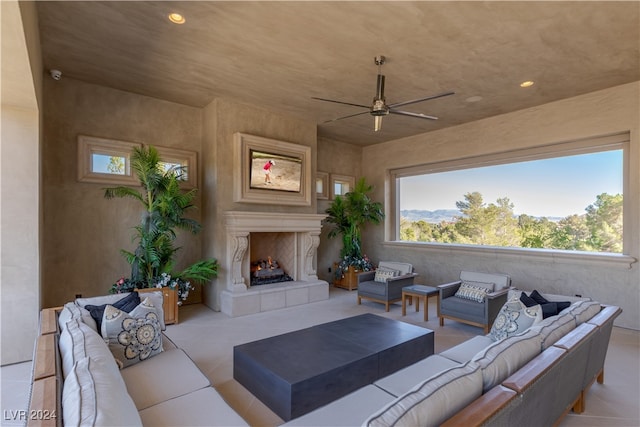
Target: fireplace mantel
238 222
239 298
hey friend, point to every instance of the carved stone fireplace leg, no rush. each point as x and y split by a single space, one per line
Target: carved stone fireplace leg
238 248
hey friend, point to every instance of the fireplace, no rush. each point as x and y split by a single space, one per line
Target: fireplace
290 239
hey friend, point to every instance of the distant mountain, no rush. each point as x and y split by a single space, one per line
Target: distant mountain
447 215
433 217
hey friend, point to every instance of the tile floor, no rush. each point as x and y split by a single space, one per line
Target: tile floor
208 337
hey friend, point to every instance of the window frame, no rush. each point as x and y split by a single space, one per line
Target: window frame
617 141
90 145
344 180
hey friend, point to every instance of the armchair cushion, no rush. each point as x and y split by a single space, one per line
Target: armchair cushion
402 267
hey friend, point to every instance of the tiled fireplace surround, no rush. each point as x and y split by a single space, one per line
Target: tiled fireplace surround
291 239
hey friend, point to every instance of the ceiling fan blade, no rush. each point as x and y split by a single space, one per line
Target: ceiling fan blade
346 117
341 102
410 114
426 98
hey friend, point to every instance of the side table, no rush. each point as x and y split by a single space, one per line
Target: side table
419 291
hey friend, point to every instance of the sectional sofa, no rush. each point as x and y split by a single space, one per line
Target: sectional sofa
76 380
531 378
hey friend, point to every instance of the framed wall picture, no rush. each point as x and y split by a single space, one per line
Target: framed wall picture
341 185
322 185
269 171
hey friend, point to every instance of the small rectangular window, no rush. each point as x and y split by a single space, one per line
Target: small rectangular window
105 161
341 185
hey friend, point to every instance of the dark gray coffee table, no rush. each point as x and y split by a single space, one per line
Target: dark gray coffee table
300 371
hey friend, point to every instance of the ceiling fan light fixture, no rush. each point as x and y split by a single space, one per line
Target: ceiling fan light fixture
377 123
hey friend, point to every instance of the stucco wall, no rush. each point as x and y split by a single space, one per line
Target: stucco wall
340 158
84 232
19 182
221 119
600 113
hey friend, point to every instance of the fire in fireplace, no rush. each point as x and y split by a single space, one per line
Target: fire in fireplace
264 272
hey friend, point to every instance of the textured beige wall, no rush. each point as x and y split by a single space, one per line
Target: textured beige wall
599 113
221 119
340 158
83 232
19 182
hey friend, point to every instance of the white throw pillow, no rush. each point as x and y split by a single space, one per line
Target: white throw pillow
472 292
433 401
132 337
382 274
514 318
94 394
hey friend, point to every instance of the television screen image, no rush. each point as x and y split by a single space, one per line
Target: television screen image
270 171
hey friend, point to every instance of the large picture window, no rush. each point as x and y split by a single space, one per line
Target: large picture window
563 197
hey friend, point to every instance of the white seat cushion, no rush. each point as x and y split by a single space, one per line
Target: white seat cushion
204 407
464 352
350 410
405 379
168 375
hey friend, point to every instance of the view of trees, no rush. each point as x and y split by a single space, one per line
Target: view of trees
495 224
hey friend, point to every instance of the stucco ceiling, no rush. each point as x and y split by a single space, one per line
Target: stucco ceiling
278 55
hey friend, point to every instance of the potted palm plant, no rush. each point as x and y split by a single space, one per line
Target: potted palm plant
348 214
165 206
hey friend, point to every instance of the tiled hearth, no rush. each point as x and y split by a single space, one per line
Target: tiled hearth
298 234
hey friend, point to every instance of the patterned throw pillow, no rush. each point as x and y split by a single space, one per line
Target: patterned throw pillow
514 317
472 292
132 337
382 274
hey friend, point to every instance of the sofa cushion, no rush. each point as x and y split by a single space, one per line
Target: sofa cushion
204 407
514 318
405 379
382 274
94 395
77 341
583 310
157 300
350 410
132 337
553 328
433 401
472 292
464 352
166 376
126 304
505 357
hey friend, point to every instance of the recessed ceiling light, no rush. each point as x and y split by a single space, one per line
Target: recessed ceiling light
475 98
176 18
527 83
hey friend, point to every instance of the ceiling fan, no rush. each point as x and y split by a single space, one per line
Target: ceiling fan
379 108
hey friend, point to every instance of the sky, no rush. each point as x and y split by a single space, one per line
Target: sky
555 187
